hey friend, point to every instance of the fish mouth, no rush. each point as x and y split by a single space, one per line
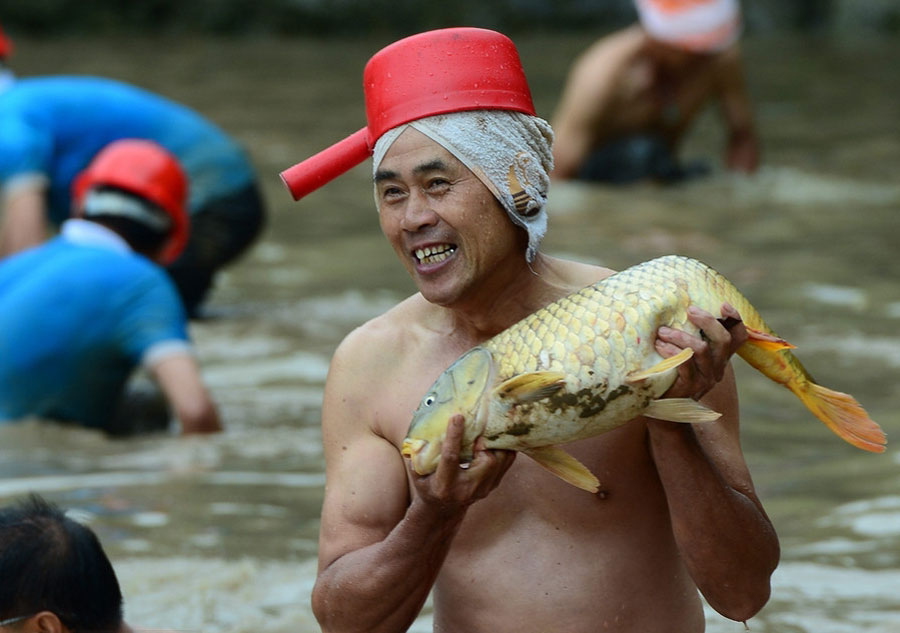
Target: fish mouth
411 448
434 254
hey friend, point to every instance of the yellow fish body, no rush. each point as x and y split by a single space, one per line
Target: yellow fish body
587 364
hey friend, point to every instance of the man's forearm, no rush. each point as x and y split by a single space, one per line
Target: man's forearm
23 221
726 540
381 588
743 151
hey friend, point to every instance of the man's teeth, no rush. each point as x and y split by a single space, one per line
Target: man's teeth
434 254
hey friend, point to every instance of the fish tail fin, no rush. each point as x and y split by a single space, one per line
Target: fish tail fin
839 411
564 466
843 415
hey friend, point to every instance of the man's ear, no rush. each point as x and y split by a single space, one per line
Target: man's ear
45 622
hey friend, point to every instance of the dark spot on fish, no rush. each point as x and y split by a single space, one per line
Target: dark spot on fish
491 437
520 428
596 405
621 390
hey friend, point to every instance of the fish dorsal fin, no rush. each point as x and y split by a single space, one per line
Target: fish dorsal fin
531 386
564 466
680 410
767 341
661 367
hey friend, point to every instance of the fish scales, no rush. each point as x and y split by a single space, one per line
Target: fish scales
567 371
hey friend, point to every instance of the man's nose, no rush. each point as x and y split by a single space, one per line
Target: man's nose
419 213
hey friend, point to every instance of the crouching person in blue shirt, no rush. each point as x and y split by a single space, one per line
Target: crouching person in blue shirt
79 313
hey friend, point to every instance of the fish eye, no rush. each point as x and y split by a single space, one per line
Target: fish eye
428 401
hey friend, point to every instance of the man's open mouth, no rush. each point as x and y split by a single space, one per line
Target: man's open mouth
434 254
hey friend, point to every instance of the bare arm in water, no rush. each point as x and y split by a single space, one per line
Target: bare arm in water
182 383
722 531
742 150
23 221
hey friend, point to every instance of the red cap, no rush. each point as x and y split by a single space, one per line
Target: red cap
145 169
447 70
6 46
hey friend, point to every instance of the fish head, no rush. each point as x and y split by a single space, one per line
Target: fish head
459 389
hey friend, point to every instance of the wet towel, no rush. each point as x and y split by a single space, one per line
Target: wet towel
510 152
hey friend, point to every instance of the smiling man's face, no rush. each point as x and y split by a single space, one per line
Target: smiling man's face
445 225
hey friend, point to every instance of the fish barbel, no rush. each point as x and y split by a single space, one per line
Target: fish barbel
587 364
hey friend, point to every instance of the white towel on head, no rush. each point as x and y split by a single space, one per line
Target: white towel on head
510 152
708 26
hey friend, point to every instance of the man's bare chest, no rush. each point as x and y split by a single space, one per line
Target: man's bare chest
411 376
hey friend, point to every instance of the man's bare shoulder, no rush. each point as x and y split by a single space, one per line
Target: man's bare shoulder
614 51
575 274
390 330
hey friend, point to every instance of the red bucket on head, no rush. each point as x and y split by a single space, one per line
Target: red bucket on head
447 70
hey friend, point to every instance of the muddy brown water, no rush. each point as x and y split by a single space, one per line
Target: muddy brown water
219 534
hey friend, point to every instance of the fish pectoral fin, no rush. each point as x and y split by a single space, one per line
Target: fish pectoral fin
661 367
764 340
564 466
680 410
531 386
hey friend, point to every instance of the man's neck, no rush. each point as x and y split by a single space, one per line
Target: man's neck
511 297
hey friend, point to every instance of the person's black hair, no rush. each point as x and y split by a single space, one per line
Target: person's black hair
140 237
48 562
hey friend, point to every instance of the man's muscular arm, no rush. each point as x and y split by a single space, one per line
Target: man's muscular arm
380 551
727 541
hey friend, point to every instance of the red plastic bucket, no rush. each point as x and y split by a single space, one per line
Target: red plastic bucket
447 70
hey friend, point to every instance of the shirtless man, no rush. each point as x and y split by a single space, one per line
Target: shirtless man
505 545
632 96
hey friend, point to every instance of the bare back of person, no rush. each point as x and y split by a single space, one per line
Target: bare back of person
538 554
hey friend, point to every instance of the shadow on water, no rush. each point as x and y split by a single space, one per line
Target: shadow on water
220 534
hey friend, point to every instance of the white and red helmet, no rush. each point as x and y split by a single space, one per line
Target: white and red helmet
147 170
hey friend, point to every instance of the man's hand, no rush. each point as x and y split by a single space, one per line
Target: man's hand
454 487
718 340
743 153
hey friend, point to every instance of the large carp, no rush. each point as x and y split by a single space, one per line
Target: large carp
587 364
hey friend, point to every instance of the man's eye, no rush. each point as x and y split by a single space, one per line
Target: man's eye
438 183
